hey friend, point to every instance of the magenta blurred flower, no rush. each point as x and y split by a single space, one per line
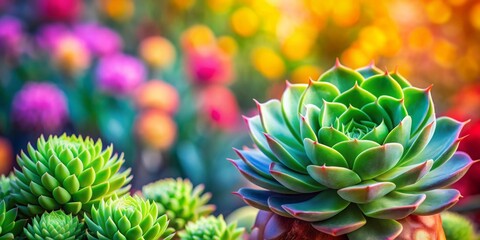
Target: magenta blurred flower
207 67
120 74
100 40
39 107
11 34
219 107
59 10
49 35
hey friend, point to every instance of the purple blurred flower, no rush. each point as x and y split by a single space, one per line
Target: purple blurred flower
120 74
100 40
49 35
11 34
40 107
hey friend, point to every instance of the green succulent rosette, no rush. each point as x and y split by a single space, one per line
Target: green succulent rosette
179 200
69 173
351 153
55 225
6 190
9 226
127 218
211 228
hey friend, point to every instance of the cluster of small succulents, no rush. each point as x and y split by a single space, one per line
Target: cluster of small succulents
188 205
355 154
70 187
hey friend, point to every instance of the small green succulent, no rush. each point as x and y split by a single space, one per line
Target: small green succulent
211 228
55 225
6 190
457 227
350 151
179 200
128 218
69 173
9 226
244 216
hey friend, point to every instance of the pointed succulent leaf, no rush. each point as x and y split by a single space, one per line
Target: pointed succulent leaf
381 85
438 200
417 103
355 96
345 222
394 108
368 71
317 92
320 154
275 203
329 112
377 160
366 191
418 144
287 155
256 198
444 175
445 135
256 160
378 134
333 177
290 102
351 149
330 136
404 176
258 179
294 181
342 77
394 205
311 211
377 229
273 122
401 133
403 82
257 134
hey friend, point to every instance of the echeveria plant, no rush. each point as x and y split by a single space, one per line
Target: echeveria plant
6 190
9 226
351 153
179 200
55 225
69 173
211 228
127 218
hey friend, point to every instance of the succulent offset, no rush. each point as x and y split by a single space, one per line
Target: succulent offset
9 227
55 225
352 153
128 218
211 228
69 173
179 200
457 227
6 190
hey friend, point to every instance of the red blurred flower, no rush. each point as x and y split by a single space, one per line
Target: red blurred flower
466 105
219 106
207 67
59 10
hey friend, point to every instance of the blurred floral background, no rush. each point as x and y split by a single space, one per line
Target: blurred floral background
167 82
